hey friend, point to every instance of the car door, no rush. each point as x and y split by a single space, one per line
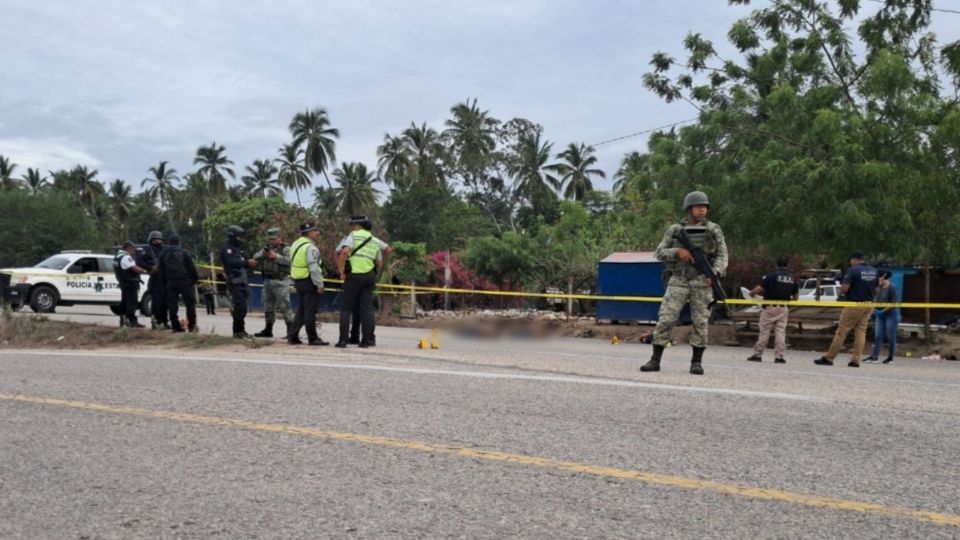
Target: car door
110 291
84 282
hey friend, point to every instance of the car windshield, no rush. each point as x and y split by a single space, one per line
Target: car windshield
54 263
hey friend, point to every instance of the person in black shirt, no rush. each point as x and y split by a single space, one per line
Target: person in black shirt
179 274
777 285
858 286
236 265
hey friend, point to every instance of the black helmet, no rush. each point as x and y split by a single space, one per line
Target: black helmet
235 231
155 235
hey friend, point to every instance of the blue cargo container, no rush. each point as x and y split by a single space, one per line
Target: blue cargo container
631 274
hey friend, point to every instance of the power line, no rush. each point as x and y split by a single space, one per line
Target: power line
942 10
608 141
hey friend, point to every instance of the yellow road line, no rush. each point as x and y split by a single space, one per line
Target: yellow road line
815 501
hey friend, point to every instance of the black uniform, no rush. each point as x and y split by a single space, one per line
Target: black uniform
779 285
129 291
180 276
149 260
234 262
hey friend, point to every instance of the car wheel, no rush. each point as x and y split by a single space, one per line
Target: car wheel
146 305
43 299
116 310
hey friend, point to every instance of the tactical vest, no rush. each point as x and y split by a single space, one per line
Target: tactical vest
174 266
271 268
298 259
701 237
782 288
123 276
363 260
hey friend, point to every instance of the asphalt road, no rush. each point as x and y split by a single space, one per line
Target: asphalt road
559 438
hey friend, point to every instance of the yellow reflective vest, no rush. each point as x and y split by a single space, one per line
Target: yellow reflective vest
298 260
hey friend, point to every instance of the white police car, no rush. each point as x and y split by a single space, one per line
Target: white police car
66 279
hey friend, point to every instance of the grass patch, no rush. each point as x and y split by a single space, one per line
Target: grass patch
38 331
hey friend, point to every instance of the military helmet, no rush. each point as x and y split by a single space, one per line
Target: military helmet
695 198
235 231
155 235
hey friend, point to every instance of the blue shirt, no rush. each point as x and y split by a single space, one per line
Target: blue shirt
862 280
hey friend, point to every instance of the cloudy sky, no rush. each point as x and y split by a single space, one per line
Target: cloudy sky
120 85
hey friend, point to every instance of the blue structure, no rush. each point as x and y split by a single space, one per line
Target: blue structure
631 274
330 301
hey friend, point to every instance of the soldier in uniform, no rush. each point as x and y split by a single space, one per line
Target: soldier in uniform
150 261
274 263
686 285
778 285
236 265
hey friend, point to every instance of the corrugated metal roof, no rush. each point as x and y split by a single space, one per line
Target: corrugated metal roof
631 257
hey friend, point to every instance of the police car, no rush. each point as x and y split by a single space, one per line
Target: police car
66 279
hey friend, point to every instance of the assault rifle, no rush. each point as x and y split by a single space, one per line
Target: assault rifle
702 264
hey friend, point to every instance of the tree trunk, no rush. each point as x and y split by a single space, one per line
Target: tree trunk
569 292
926 299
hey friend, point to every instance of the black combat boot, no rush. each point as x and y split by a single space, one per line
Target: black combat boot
695 364
654 363
266 332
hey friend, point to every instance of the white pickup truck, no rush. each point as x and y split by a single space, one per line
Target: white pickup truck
66 279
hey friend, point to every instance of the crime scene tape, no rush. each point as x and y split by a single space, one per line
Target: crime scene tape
388 288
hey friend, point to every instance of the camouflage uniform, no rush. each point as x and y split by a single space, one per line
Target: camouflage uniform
276 285
685 285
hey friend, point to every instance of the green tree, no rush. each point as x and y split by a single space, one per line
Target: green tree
7 181
816 140
427 154
394 159
293 172
163 182
534 179
34 181
262 179
355 194
214 167
576 170
120 197
472 133
311 129
27 236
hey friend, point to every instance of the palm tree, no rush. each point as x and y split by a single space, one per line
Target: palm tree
472 133
634 173
428 152
194 200
164 182
85 185
293 173
121 200
7 181
34 182
576 170
356 194
215 167
533 177
261 179
313 128
325 202
394 159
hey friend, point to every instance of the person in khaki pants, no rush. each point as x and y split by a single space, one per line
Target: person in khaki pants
778 285
859 285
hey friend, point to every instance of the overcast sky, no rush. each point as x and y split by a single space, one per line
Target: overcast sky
120 85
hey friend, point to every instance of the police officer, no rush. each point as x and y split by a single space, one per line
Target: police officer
128 276
149 261
235 264
777 286
274 263
180 276
685 284
308 282
859 285
362 250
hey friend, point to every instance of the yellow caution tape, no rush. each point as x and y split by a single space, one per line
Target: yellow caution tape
652 299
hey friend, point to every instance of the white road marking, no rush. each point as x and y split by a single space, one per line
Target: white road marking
567 379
